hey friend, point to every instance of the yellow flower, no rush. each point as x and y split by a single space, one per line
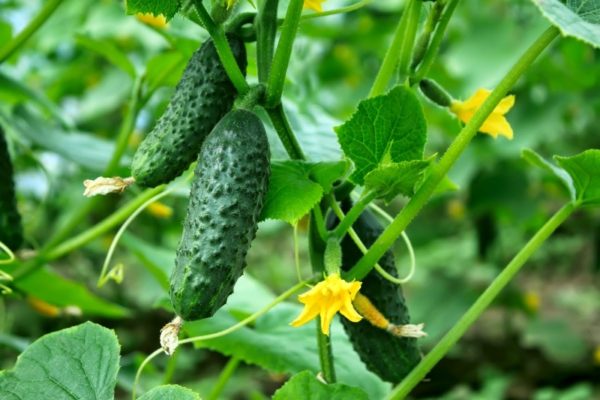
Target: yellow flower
495 124
157 21
314 5
160 210
326 299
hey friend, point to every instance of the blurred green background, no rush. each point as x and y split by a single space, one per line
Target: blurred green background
62 100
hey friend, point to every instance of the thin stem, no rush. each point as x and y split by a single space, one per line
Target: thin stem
35 24
434 46
325 354
297 253
319 221
412 208
285 133
386 71
341 10
283 52
223 49
354 213
170 368
408 39
266 30
127 127
227 372
9 253
486 298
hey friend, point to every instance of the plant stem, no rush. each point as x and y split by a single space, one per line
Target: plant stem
86 236
285 133
170 368
127 127
486 298
412 208
386 71
223 49
325 354
266 30
229 369
283 52
45 13
353 214
408 39
434 46
342 10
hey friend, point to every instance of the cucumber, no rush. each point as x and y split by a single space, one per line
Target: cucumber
388 356
11 231
202 97
226 199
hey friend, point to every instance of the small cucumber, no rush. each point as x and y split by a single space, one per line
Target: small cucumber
226 199
202 97
11 232
388 356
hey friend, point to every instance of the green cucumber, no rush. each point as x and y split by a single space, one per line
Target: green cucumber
388 356
202 97
226 199
11 232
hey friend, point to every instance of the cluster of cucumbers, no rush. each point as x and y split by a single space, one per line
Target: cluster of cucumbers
230 179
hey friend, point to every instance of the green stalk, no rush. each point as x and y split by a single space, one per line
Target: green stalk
227 372
35 24
412 208
408 39
285 133
223 49
283 52
434 46
325 354
486 298
386 71
353 214
88 235
342 10
266 30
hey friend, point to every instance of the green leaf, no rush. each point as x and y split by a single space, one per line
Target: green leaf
274 345
537 160
577 18
306 386
107 49
584 169
385 128
168 8
52 288
165 69
390 180
557 339
170 392
296 186
74 363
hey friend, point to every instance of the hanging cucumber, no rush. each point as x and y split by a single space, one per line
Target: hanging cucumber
388 356
11 232
202 97
226 198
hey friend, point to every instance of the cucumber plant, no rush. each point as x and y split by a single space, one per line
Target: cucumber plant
218 117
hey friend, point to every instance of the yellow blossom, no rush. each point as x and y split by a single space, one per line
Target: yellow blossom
314 5
326 299
495 124
157 21
160 210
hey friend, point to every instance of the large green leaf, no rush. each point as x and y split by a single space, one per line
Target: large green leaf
306 386
276 346
52 288
170 392
537 160
388 128
577 18
75 363
296 186
166 7
584 169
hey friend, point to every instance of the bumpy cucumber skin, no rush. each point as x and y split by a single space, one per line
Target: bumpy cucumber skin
202 97
390 357
11 231
226 199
